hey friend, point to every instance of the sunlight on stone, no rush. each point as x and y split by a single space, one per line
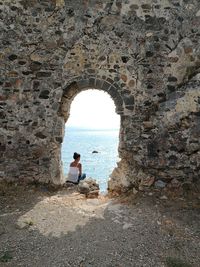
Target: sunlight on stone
58 215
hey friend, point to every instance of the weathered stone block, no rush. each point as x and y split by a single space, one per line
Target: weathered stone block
35 66
105 86
152 149
43 74
40 135
44 94
83 83
12 57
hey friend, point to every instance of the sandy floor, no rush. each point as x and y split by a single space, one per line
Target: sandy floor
41 227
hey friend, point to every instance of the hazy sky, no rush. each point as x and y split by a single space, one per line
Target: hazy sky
93 109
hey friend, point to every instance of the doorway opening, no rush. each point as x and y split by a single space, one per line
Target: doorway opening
92 130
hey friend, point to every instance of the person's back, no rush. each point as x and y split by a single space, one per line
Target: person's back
75 170
73 174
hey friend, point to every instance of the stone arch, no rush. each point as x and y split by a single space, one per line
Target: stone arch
77 85
80 84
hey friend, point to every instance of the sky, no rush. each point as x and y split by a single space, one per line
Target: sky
93 109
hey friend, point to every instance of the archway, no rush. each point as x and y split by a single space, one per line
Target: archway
109 86
93 131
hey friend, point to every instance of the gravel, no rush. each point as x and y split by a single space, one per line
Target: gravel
62 228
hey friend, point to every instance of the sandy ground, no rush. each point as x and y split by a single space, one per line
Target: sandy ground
42 227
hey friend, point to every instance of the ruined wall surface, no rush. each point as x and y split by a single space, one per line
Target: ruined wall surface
144 54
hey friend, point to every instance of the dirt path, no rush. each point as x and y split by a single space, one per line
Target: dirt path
43 228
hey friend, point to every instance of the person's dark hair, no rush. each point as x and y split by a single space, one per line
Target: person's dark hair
76 155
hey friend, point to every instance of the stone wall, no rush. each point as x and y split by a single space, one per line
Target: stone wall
144 54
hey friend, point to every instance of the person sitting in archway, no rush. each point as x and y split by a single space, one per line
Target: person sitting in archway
75 174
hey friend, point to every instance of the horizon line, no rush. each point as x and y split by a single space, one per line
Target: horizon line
90 128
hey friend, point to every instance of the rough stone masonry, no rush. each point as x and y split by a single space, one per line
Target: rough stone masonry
144 53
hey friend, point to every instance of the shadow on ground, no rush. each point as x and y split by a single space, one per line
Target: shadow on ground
39 227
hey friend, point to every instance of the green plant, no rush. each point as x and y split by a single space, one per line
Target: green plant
29 222
6 257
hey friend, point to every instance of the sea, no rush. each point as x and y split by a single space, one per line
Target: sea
85 141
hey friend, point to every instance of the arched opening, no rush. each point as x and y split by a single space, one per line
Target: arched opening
124 106
92 130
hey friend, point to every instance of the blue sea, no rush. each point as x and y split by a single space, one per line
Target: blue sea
84 141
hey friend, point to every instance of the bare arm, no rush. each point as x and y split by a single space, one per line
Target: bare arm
80 168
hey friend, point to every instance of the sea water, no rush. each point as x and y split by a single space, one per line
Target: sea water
84 141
